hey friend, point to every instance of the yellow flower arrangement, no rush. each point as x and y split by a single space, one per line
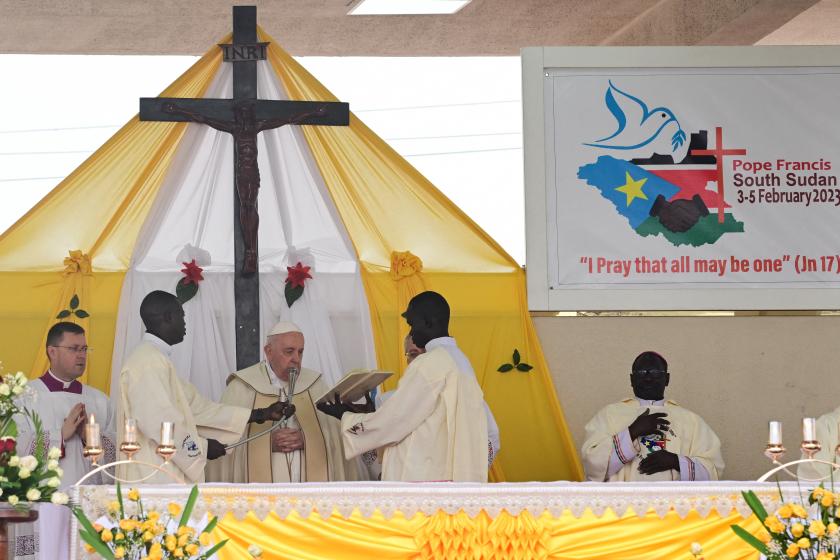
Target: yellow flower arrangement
148 535
797 531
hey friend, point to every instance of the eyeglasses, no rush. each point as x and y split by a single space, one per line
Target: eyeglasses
75 349
412 354
649 373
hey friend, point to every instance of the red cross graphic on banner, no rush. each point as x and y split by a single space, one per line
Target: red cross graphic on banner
719 152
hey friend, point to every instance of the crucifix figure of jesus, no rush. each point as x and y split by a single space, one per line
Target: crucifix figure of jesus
244 129
244 117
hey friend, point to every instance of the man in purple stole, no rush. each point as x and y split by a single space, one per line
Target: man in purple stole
64 406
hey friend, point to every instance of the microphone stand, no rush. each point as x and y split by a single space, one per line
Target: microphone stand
284 398
293 375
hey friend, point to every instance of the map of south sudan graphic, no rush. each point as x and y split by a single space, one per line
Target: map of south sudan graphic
657 195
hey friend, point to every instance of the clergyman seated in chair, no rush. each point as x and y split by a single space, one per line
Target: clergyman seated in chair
648 438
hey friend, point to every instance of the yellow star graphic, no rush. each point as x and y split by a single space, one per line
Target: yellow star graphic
632 188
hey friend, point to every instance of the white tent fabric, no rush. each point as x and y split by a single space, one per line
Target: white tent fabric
193 216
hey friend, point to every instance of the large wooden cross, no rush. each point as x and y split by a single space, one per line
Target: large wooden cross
244 117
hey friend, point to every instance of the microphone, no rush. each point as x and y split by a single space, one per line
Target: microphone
293 375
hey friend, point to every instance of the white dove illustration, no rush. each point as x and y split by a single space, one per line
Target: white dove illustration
637 126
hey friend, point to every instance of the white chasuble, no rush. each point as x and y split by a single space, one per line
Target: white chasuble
433 426
151 392
688 436
321 458
53 401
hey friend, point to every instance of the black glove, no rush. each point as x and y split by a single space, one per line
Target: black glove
277 411
648 424
366 408
335 409
659 461
215 449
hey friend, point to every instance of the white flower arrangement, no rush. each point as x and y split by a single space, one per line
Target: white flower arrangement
29 478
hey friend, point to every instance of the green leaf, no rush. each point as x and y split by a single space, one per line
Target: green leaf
81 313
750 539
755 505
9 429
74 301
522 366
516 357
212 525
292 294
90 536
40 439
185 292
120 500
188 507
100 547
504 368
215 549
63 315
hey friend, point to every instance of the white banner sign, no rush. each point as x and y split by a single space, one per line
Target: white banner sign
692 177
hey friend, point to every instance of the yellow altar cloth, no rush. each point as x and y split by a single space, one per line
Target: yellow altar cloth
466 521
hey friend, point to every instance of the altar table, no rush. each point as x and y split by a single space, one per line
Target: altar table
372 521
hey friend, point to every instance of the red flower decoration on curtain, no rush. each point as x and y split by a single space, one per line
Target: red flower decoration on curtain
187 286
192 273
298 274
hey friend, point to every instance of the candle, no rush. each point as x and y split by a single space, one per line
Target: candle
130 430
775 433
809 429
167 433
92 433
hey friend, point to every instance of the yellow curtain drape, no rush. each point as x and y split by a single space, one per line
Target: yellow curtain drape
98 211
74 296
504 537
387 206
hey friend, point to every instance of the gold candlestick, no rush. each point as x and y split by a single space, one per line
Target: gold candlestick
166 449
810 445
93 441
129 446
775 449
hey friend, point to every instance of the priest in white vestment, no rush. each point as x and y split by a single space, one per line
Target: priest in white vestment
647 438
308 448
494 442
151 392
433 426
64 405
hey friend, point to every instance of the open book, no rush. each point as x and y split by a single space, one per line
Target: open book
355 384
